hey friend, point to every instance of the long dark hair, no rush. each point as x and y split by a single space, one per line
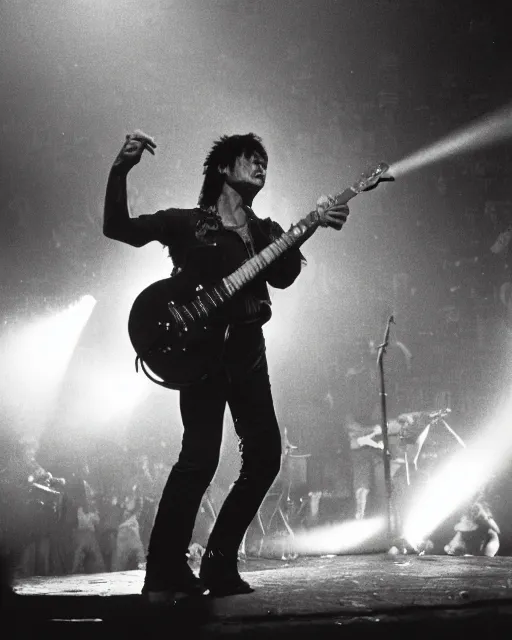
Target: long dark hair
224 153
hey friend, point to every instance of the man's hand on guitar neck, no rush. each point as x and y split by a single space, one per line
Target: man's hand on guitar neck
330 213
368 441
367 437
362 436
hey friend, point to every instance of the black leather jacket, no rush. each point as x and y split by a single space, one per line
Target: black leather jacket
189 232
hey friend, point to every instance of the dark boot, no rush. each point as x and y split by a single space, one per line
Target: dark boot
177 582
219 574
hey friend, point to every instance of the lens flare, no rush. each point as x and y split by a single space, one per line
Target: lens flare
461 477
36 357
355 536
494 127
105 395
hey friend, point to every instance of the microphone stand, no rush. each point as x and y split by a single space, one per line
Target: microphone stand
385 439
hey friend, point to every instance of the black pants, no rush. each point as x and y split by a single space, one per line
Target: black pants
244 385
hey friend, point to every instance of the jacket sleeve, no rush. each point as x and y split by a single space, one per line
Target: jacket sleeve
162 226
136 232
284 271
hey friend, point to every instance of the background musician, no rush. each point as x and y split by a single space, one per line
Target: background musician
476 533
361 422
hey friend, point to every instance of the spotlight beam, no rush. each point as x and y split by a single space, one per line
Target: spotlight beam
36 359
491 128
461 477
344 537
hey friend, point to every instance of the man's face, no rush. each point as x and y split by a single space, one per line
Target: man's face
248 174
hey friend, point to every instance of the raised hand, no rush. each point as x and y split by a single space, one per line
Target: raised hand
330 213
133 148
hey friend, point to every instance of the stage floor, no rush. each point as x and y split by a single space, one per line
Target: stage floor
342 596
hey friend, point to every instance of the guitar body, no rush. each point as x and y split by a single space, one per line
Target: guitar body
179 357
178 325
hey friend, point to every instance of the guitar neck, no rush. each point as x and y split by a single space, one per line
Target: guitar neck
255 265
210 299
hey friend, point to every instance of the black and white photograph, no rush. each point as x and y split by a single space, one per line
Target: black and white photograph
255 319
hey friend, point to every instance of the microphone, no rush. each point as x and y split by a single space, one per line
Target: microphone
382 347
391 320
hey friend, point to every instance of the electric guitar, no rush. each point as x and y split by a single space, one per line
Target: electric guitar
367 441
176 326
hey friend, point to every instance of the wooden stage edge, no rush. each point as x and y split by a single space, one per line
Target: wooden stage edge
374 595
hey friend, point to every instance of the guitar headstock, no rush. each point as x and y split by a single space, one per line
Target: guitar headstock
370 178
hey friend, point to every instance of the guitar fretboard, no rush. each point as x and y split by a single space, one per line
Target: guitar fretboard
255 265
207 300
210 299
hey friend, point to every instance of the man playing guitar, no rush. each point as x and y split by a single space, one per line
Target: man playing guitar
213 238
368 463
